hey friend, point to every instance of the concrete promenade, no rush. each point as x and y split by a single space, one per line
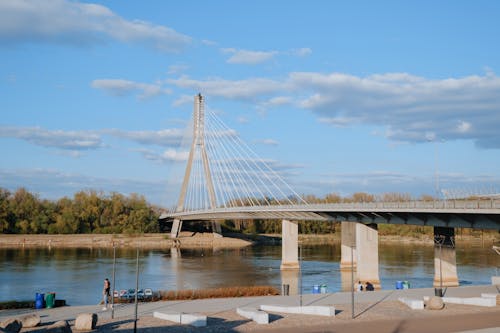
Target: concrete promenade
377 311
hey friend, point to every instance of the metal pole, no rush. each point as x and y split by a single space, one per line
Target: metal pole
136 289
113 288
300 271
352 282
440 270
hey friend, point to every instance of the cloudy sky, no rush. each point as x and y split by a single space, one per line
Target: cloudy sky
341 96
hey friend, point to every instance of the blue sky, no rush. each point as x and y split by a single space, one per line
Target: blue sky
339 96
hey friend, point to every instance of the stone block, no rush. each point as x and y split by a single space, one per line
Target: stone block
435 303
192 319
309 310
30 320
61 326
260 317
477 301
12 325
414 304
86 321
480 301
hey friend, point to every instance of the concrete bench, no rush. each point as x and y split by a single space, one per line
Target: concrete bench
478 301
317 310
192 319
260 317
412 303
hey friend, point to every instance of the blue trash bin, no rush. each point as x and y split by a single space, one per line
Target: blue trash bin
399 284
39 301
316 289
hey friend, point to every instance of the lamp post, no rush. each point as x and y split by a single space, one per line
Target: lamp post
113 289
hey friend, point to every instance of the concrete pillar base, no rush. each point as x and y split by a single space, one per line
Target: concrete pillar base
445 262
348 242
289 245
367 250
176 228
290 266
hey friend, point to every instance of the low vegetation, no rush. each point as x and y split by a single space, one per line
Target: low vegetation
218 293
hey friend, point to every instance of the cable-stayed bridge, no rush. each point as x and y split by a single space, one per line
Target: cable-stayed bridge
224 179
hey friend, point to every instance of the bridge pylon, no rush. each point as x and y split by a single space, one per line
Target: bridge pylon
198 148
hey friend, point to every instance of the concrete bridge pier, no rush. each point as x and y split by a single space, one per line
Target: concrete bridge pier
289 245
348 242
445 260
367 250
363 241
176 228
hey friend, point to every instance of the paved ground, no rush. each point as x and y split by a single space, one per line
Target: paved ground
377 311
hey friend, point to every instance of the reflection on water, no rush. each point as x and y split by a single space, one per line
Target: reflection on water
76 274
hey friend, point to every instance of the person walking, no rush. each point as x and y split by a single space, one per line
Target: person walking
106 293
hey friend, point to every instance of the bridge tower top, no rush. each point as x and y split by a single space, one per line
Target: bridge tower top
198 149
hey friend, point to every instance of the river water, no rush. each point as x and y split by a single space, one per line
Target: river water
76 275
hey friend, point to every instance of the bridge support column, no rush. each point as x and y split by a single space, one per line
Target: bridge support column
176 228
289 245
291 277
367 250
348 242
445 261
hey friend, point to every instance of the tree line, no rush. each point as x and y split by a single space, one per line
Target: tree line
23 212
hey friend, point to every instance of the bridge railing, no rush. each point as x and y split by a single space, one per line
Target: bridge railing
436 204
483 204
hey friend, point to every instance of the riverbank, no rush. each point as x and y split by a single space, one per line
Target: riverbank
378 311
190 240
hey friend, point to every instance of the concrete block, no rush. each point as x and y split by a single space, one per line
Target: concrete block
30 320
435 303
170 316
495 280
478 301
310 310
494 296
414 304
86 321
61 326
193 319
260 317
453 300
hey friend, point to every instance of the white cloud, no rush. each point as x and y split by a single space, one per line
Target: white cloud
55 184
67 140
120 87
302 52
464 127
177 68
165 137
248 89
408 107
268 142
169 155
183 99
68 22
248 57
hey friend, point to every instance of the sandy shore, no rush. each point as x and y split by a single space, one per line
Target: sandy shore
201 240
146 241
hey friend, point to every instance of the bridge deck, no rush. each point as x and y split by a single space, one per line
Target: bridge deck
477 214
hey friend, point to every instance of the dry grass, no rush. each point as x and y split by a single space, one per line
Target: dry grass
218 293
